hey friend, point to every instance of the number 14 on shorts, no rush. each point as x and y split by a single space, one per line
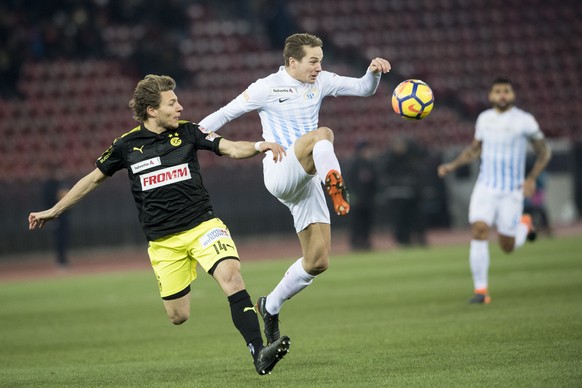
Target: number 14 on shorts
220 246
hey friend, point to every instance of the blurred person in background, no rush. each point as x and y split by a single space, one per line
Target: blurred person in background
501 137
174 209
288 104
363 175
403 174
535 205
53 190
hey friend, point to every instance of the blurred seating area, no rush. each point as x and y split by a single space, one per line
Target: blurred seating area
458 47
68 68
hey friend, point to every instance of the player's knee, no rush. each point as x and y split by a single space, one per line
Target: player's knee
317 266
178 317
480 231
232 285
320 268
228 276
324 133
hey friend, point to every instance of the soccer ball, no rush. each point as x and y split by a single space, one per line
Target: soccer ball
412 99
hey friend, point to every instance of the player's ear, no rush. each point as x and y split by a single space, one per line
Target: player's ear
152 112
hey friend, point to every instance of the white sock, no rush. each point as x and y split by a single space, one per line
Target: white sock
479 262
521 234
325 159
295 280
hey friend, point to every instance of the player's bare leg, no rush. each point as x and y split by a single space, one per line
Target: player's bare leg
178 310
228 276
479 262
316 245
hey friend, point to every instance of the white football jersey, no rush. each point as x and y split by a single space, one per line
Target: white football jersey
504 138
287 107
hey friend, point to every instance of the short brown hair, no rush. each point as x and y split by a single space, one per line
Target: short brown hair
294 46
148 93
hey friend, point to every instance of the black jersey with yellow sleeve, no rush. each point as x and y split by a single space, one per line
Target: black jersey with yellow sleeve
164 174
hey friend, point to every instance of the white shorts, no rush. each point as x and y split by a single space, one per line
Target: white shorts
494 206
300 192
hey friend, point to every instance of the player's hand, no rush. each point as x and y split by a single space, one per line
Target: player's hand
445 168
379 65
529 187
277 150
37 220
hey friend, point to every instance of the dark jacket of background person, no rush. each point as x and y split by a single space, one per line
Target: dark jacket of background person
403 172
363 184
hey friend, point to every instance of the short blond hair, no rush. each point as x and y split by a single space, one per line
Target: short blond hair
148 93
294 46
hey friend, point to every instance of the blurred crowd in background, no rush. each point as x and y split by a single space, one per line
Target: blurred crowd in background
75 30
68 68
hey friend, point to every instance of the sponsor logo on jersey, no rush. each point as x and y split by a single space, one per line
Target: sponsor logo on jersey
284 91
145 164
140 149
213 235
165 176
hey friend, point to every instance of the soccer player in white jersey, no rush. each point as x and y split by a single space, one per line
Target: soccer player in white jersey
288 104
501 138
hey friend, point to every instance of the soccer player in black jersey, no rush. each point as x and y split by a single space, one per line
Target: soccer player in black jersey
160 156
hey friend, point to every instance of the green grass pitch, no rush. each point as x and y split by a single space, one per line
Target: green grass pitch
397 318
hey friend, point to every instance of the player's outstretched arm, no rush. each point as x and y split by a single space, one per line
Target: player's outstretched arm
83 187
469 154
246 149
379 65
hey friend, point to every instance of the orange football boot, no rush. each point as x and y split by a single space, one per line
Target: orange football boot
481 296
338 192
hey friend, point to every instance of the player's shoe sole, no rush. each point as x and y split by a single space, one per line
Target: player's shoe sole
271 354
338 192
270 321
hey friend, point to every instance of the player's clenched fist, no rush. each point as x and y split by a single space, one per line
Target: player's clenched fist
380 65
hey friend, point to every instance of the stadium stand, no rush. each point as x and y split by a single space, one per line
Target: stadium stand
71 98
